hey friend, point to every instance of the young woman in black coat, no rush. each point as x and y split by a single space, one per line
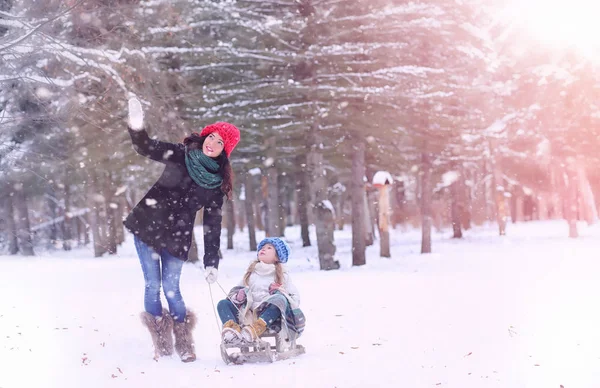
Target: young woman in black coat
197 175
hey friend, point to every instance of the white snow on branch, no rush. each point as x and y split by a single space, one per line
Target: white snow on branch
499 125
78 54
227 48
57 220
359 48
425 22
432 95
401 10
555 71
13 24
382 178
254 171
49 81
326 204
338 188
450 177
472 52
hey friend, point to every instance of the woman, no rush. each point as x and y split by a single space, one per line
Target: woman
197 175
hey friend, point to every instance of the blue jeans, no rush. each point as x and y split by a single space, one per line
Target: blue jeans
171 272
228 311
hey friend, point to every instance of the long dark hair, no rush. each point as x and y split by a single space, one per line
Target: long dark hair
195 141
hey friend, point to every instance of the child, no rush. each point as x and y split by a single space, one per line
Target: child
266 298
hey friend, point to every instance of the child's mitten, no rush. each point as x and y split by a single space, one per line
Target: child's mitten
240 297
274 287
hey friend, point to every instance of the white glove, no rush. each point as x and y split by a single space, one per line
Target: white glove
136 114
211 273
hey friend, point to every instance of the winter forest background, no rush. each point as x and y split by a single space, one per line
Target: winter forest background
476 115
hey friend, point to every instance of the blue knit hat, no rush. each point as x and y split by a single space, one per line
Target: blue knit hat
281 247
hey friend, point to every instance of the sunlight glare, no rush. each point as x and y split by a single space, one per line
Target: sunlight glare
560 24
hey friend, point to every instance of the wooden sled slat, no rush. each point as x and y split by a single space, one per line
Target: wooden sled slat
261 351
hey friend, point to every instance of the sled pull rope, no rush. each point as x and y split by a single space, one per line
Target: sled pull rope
212 300
214 309
227 296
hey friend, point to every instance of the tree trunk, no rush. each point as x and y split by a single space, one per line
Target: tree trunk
325 225
373 201
79 231
400 203
110 207
66 226
341 200
542 207
384 221
489 190
322 208
282 207
455 209
11 226
96 202
499 196
358 203
86 226
272 206
51 201
558 193
570 189
259 219
519 206
250 215
467 198
586 195
294 219
426 202
230 208
240 213
303 192
22 217
122 203
369 235
479 196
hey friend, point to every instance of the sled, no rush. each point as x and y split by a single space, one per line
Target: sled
262 350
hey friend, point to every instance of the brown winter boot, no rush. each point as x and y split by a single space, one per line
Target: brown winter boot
252 332
231 332
161 329
184 341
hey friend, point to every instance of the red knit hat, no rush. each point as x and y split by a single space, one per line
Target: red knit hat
229 133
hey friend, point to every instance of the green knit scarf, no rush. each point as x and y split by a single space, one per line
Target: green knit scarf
203 169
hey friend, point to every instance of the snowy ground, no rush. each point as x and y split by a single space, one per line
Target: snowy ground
518 311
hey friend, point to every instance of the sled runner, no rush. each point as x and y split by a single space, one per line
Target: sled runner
262 350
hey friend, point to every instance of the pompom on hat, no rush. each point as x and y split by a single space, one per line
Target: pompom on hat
281 247
229 132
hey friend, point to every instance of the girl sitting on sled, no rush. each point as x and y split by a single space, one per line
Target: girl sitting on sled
265 299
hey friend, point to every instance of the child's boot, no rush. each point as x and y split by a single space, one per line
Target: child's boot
231 332
252 332
184 341
161 331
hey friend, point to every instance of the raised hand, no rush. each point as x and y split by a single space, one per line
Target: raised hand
136 114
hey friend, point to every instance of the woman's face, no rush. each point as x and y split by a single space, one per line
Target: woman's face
213 145
267 254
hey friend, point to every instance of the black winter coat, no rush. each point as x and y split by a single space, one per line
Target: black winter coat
164 218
